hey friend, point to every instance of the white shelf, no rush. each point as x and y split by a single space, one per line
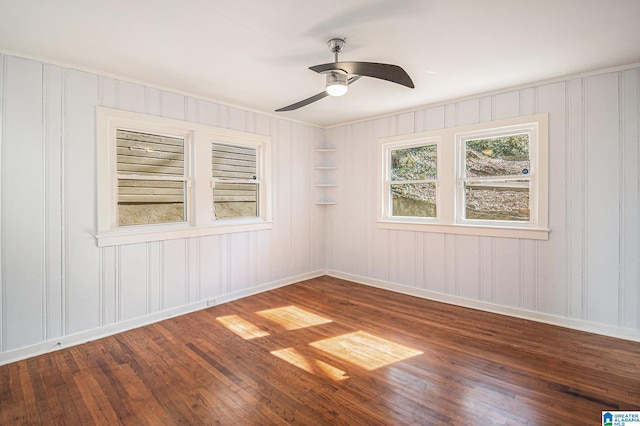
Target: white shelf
325 178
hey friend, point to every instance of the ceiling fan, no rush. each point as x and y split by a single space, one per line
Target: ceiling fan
340 75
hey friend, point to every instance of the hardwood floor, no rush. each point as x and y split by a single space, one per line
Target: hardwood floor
325 352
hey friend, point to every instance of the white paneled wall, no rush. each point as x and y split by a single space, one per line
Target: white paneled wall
58 288
56 285
587 274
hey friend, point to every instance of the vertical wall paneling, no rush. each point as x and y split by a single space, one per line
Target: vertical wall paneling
434 262
55 281
468 267
349 169
529 274
263 257
361 177
552 257
602 142
282 254
23 202
405 123
133 97
486 108
435 118
468 112
404 257
152 100
527 101
238 268
372 186
107 91
53 116
174 273
237 119
450 248
193 285
224 261
507 271
81 96
209 267
132 281
297 139
207 113
316 215
487 270
506 105
154 277
72 286
109 282
3 280
381 237
190 109
172 105
587 270
253 253
630 196
575 198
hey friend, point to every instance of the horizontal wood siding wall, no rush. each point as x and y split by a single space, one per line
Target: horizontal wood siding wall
588 269
234 163
55 281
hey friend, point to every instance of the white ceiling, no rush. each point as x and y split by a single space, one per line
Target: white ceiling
256 53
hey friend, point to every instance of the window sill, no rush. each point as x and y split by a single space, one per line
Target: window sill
150 234
478 230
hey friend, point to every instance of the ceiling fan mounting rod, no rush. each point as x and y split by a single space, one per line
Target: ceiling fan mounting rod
335 46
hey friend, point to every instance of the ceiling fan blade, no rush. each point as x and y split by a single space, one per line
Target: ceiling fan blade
392 73
313 98
303 102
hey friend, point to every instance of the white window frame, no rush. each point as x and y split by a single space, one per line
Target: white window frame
199 196
450 170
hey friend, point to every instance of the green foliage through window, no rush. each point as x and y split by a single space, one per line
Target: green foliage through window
419 166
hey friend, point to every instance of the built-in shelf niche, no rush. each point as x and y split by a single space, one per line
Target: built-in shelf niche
325 179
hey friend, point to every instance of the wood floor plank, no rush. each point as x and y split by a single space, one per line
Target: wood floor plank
464 367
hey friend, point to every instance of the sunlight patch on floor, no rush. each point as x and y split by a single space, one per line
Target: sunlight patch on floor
365 350
241 327
313 366
292 317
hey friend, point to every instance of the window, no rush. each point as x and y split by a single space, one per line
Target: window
235 185
412 180
160 179
486 179
151 178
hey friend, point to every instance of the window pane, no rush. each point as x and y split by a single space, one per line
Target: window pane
235 200
147 154
233 162
150 201
497 200
414 199
502 156
417 163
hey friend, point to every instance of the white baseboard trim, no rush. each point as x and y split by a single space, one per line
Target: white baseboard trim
575 324
111 329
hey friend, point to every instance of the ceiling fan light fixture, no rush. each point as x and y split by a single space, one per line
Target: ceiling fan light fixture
337 84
